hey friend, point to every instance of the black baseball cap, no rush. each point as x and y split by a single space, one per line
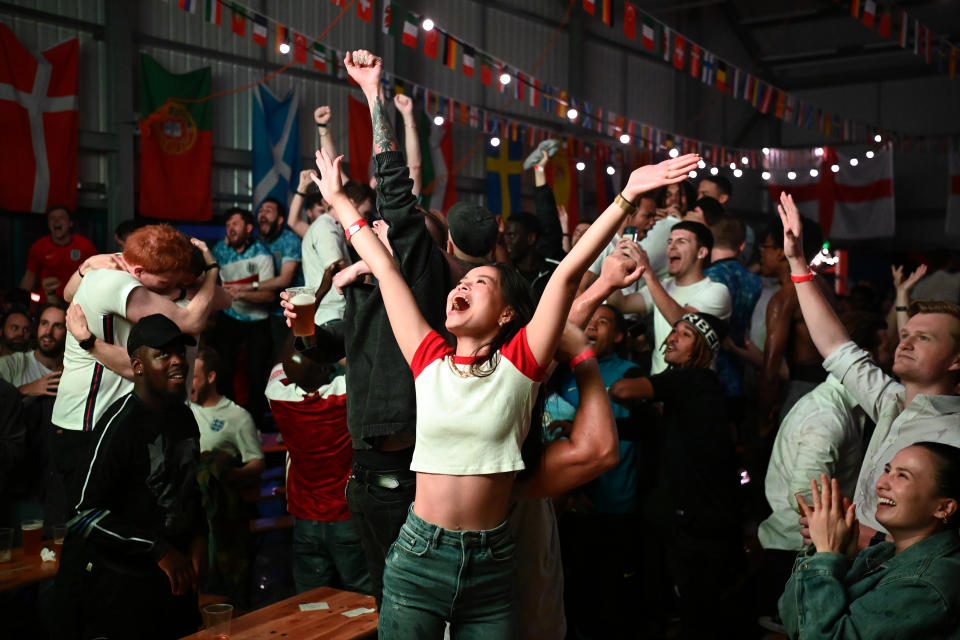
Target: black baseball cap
473 229
157 331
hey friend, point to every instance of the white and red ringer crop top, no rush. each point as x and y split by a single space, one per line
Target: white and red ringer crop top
472 425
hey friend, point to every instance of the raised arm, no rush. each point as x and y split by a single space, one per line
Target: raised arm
591 448
903 288
408 324
620 269
322 116
411 141
550 240
295 219
826 330
547 324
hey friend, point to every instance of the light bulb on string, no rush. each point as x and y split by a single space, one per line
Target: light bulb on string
505 78
814 173
427 24
733 165
701 164
870 154
673 153
765 175
792 175
581 165
494 141
854 162
693 174
624 138
835 168
714 171
572 113
766 151
744 160
878 138
818 151
610 170
284 48
438 120
737 173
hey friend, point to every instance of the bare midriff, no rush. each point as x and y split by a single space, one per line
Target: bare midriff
463 503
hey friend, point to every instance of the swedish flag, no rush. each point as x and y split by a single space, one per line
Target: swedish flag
504 169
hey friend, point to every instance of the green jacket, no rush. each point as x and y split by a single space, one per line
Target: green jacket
915 594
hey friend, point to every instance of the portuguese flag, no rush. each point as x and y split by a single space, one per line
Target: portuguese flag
176 144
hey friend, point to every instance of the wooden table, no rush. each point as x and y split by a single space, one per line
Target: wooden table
22 571
285 620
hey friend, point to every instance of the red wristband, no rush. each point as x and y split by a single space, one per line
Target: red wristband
587 354
356 226
807 277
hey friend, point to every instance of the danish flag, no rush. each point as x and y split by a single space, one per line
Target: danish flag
38 109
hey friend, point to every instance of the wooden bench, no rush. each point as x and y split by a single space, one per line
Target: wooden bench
285 619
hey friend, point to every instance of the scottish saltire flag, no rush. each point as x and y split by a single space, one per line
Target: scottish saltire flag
504 169
276 145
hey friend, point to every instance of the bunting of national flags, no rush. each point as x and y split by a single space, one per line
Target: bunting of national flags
911 33
674 48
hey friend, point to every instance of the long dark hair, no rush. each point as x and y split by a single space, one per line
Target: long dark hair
947 474
518 295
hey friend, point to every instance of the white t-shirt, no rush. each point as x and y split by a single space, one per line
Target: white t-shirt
324 244
230 427
654 243
87 387
22 368
705 295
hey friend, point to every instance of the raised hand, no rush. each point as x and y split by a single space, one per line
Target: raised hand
792 227
905 286
623 267
306 179
330 181
654 176
832 518
322 115
364 68
404 104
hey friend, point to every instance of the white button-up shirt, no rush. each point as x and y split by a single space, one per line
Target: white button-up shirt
822 433
928 418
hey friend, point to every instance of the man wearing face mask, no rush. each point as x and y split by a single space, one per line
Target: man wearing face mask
136 546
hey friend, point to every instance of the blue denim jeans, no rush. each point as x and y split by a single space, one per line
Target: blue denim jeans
434 575
328 554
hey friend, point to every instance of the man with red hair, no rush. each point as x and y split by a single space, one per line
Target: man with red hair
155 260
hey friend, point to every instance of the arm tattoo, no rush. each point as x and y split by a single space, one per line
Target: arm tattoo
384 139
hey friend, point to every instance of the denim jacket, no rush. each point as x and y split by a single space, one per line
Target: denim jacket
914 594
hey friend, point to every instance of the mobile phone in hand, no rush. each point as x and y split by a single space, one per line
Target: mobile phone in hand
631 232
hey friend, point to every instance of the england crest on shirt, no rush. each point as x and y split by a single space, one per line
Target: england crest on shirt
217 424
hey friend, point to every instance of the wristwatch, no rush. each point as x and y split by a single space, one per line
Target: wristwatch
87 343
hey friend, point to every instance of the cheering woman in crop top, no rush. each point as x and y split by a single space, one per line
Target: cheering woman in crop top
453 559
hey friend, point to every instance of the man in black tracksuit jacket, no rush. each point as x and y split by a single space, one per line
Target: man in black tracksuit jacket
135 550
